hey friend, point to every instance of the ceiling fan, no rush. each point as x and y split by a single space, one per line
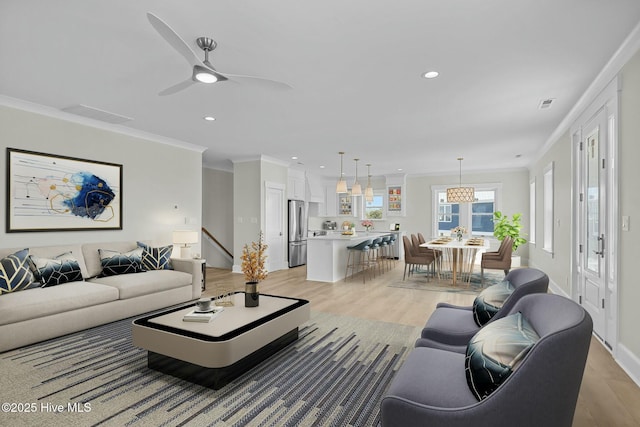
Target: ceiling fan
203 70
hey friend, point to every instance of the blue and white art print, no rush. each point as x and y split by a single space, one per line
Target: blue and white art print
46 192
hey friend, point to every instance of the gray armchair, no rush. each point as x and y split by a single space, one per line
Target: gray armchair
430 389
450 327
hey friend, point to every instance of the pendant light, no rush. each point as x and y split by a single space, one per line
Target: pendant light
368 192
356 189
460 194
341 187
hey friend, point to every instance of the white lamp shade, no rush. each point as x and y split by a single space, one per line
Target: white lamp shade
356 190
368 194
185 237
342 186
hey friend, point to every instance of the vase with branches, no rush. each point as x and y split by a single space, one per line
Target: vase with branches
253 266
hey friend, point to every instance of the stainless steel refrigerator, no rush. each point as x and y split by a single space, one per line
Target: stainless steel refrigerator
297 233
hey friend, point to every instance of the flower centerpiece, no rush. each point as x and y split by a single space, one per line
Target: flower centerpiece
458 231
253 258
367 224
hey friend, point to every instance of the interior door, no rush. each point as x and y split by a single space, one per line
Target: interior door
593 236
274 227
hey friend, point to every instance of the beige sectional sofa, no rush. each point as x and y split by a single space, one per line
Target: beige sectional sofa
41 313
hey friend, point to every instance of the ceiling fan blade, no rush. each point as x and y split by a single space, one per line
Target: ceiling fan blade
177 87
274 83
173 39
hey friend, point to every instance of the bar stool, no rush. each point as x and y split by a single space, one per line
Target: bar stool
374 255
358 257
393 241
385 253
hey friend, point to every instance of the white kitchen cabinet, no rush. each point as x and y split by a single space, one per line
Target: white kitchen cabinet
296 185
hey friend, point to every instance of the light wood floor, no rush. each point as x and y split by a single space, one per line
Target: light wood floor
608 397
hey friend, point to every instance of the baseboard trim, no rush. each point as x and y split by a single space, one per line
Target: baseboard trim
554 288
629 362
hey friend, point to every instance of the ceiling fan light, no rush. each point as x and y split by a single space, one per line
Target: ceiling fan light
203 75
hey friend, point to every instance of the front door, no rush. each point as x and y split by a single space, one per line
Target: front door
593 221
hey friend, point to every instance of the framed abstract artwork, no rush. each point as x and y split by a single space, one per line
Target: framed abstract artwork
47 192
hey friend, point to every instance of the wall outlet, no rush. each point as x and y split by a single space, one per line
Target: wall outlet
625 223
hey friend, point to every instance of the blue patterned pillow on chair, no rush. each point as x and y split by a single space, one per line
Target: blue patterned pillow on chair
156 258
62 269
490 301
496 351
114 262
15 274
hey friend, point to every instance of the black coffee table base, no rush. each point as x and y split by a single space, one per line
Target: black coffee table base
217 378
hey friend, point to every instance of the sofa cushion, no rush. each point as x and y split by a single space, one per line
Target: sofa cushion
114 262
15 273
490 301
149 282
63 268
41 302
156 258
496 351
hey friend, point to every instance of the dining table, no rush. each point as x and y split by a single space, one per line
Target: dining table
459 255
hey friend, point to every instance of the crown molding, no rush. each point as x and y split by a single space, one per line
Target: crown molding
32 107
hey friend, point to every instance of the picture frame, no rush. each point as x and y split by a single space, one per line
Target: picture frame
48 192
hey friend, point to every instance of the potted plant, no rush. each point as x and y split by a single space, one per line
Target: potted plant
505 226
253 258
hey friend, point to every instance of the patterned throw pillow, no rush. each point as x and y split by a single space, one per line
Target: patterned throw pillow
496 351
114 262
61 269
490 301
15 274
156 258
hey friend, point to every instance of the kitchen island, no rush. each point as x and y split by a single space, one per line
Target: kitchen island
327 255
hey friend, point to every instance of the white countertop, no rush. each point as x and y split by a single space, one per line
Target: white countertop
339 236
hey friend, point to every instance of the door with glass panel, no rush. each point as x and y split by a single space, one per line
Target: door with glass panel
593 221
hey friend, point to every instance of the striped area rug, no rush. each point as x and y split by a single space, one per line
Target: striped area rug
334 375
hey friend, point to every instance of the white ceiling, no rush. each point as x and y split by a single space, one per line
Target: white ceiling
355 67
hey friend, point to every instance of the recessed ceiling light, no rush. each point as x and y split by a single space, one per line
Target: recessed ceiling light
399 169
430 74
294 158
321 166
209 118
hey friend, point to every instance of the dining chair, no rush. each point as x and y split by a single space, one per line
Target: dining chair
437 253
413 258
497 260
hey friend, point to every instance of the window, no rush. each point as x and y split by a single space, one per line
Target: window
374 209
532 211
477 217
482 213
445 213
547 243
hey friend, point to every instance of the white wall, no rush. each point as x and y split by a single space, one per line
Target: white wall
156 177
558 266
629 158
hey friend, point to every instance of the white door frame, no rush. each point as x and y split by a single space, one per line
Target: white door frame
606 101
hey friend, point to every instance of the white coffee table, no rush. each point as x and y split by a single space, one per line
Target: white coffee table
213 354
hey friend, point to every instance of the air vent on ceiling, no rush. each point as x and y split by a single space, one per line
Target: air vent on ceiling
96 114
546 103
